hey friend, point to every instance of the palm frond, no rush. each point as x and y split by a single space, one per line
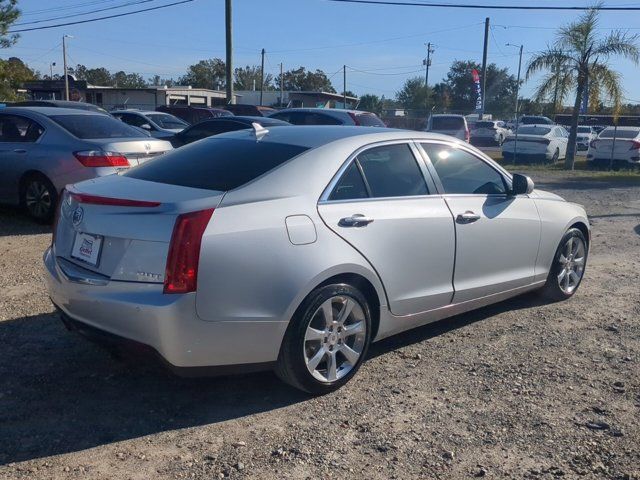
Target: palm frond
618 43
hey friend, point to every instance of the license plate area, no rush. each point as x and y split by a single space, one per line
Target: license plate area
87 248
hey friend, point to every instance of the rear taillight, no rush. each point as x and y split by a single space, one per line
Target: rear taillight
98 158
56 217
635 145
181 274
354 117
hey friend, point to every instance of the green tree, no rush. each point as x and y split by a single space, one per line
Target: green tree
9 13
13 73
413 95
300 79
371 103
205 74
585 55
128 80
158 81
245 78
500 88
93 76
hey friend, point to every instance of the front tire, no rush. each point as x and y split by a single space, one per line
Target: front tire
326 341
568 266
39 198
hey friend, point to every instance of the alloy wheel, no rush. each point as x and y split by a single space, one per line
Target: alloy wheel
335 338
38 199
572 263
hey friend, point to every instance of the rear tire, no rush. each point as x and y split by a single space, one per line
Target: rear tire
569 264
326 341
39 198
556 157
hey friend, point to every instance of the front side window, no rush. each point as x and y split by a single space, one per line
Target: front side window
461 172
389 171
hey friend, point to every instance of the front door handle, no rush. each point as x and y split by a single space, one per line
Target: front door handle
356 220
20 150
467 217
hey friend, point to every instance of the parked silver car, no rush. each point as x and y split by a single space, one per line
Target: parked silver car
158 124
44 148
328 116
489 132
295 248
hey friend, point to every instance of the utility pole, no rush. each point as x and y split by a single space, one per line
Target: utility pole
51 65
484 65
229 52
427 64
64 60
261 77
515 146
344 85
281 85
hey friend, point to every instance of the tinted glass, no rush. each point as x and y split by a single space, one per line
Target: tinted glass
167 121
95 126
536 120
392 171
533 130
14 128
350 186
448 123
485 125
369 120
132 119
608 133
584 129
462 172
216 164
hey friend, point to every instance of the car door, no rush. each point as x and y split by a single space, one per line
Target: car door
497 234
382 202
18 137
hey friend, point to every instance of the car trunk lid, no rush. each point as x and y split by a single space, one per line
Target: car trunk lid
137 151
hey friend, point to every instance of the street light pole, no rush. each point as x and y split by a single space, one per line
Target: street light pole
515 145
64 60
427 63
51 65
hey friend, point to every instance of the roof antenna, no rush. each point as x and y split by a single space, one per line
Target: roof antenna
259 131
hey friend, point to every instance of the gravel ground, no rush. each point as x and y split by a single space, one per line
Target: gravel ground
522 389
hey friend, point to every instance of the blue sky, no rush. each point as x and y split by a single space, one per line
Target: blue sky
382 45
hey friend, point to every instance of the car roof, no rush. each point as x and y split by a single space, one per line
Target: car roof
323 110
245 119
312 136
49 111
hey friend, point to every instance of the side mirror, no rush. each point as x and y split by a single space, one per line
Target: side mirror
146 126
521 184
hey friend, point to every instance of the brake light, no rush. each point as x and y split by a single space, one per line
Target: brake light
354 117
113 202
181 274
98 158
635 145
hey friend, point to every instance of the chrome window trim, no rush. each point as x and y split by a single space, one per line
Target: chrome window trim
324 197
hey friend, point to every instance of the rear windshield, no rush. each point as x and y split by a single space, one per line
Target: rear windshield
216 163
608 133
370 120
485 125
533 130
447 123
166 120
90 127
534 120
584 129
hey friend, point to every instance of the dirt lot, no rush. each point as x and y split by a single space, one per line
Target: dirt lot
522 389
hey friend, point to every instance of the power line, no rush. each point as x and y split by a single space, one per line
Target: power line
487 6
67 7
137 2
100 18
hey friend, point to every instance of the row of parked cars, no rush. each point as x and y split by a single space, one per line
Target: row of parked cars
45 145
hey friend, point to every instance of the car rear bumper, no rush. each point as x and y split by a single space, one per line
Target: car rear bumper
167 324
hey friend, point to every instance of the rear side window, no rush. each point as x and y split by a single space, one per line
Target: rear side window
216 164
95 126
389 171
448 123
369 120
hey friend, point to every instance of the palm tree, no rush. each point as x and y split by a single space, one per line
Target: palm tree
580 57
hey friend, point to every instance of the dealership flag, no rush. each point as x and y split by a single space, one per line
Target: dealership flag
476 81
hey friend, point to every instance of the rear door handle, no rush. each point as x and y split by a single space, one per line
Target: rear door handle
20 150
467 217
356 220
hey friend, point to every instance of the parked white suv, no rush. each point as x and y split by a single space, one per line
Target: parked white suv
453 125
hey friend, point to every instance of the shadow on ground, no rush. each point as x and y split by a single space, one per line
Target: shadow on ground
60 394
13 222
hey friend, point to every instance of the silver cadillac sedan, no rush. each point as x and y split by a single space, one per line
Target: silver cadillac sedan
294 249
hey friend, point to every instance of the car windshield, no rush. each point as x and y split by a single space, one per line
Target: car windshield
584 129
609 133
90 127
533 130
485 125
219 164
166 120
447 123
